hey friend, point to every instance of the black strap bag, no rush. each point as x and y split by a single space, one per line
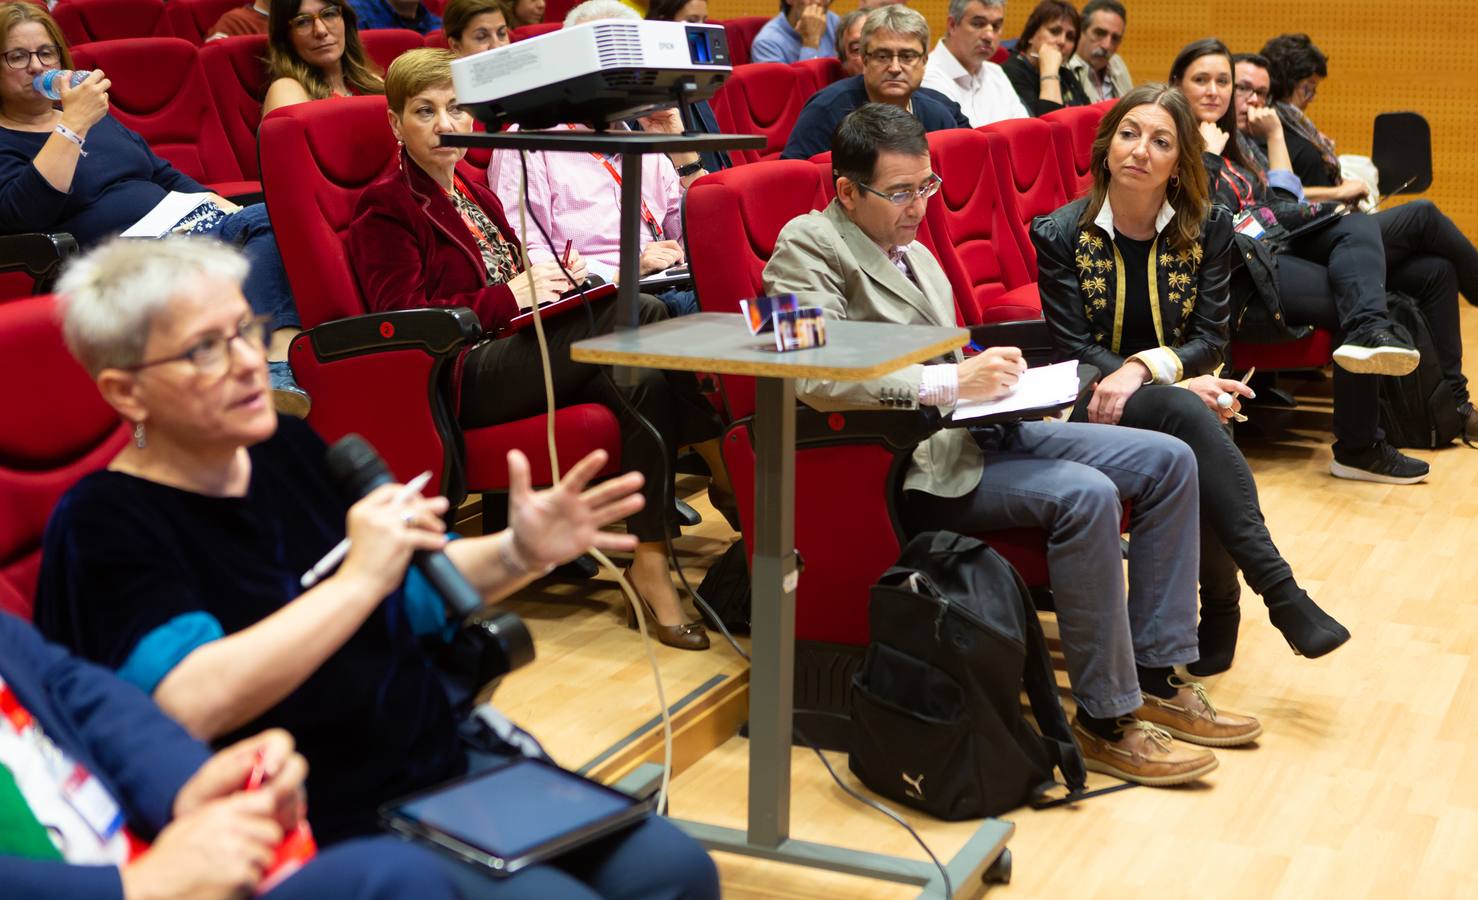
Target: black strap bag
937 722
1417 409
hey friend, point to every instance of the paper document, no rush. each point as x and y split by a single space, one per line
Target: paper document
1045 386
167 215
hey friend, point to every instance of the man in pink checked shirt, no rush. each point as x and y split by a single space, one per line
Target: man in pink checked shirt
577 196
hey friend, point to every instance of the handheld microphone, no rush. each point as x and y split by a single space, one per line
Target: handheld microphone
357 469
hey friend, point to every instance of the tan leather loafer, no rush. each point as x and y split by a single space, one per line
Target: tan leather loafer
1190 716
1146 754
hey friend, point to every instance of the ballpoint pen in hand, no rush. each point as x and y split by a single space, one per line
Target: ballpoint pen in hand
332 558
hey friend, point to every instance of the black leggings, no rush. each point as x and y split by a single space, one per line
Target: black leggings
1233 533
503 381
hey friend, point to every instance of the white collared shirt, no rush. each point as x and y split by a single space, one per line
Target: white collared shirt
1162 362
985 97
1105 217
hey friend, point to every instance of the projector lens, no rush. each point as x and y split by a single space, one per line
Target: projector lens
698 47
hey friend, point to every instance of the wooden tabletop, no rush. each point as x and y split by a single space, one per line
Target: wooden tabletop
720 343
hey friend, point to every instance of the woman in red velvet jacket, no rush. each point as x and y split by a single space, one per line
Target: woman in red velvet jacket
422 236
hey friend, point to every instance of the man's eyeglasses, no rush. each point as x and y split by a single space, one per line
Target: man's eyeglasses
329 15
19 58
211 357
884 57
1260 93
903 198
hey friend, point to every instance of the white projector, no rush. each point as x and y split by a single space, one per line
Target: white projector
597 74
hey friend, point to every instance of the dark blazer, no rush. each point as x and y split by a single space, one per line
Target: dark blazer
410 249
110 727
827 107
1196 333
1028 83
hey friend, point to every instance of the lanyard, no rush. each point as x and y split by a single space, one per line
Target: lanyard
646 214
1234 180
467 220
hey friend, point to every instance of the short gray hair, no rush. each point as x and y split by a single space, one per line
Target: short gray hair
896 18
957 7
845 23
111 296
595 10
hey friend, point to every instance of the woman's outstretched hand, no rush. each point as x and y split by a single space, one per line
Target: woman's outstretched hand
555 525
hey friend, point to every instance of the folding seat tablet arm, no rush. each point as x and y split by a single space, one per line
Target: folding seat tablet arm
38 254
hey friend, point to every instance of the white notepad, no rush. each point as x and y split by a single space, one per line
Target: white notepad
1044 386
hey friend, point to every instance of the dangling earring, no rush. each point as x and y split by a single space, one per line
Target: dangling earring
138 436
1175 182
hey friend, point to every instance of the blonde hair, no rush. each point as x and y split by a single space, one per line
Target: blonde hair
112 295
413 72
1191 197
20 12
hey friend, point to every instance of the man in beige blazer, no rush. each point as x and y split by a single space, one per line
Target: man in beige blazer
858 259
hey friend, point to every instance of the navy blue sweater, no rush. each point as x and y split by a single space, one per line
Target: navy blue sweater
116 184
828 106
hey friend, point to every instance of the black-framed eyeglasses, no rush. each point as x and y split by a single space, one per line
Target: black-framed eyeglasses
902 198
1260 93
884 57
211 355
20 57
304 23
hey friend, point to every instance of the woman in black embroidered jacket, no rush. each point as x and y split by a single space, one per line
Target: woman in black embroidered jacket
1133 280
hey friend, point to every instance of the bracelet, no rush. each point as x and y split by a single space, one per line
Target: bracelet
72 136
1050 78
692 168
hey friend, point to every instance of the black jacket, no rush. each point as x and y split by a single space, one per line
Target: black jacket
1195 328
1022 74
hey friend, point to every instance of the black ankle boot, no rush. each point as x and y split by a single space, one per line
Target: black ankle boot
1217 635
1309 630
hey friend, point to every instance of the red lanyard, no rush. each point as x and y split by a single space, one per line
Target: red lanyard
646 214
1234 180
467 220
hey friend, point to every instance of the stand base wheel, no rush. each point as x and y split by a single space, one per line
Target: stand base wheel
1000 870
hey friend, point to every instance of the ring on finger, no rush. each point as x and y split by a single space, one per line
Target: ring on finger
409 518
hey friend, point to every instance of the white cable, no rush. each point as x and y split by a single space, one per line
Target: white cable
626 588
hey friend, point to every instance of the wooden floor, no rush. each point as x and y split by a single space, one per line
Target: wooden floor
1365 783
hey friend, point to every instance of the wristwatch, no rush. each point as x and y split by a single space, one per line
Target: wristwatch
692 168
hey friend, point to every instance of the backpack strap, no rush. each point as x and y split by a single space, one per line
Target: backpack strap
1041 690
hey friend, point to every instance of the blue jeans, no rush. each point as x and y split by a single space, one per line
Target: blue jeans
1068 479
266 287
378 868
679 302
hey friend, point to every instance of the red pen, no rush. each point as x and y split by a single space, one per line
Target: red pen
568 244
258 771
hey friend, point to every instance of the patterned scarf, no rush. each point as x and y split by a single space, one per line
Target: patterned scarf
1294 118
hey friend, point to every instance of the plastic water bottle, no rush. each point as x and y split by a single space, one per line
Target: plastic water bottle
48 83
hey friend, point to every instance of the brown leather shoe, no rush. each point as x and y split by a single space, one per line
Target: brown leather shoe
687 636
1190 716
1146 754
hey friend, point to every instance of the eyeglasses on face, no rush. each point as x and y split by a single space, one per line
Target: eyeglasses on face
19 58
885 57
1260 93
329 15
903 198
211 356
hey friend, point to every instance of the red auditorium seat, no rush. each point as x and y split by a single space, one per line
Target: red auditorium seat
1079 125
556 10
193 19
973 220
238 81
159 90
384 44
386 375
437 40
49 439
741 33
524 32
1033 171
764 98
818 73
85 21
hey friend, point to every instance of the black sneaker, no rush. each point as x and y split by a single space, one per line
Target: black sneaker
1381 463
1470 422
1376 351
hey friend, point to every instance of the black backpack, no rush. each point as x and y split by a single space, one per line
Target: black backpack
937 722
1418 409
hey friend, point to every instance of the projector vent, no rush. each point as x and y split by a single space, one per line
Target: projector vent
618 44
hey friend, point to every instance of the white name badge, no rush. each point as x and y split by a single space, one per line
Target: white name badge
1246 223
87 796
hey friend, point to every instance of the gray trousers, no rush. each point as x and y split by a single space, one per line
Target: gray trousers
1069 479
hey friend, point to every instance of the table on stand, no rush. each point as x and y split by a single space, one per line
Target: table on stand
855 351
631 146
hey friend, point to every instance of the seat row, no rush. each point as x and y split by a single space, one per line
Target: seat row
86 21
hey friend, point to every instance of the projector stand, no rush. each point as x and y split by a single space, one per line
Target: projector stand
631 146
